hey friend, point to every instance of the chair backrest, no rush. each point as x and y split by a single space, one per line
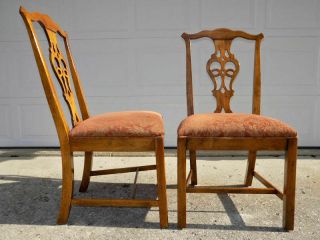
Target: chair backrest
60 67
223 67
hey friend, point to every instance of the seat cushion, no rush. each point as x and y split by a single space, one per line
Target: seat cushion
233 125
120 124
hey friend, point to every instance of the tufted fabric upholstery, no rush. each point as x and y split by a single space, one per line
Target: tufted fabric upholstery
233 125
120 124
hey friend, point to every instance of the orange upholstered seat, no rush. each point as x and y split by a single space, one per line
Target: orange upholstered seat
120 124
233 125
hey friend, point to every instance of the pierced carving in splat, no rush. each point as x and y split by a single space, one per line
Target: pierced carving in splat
222 68
61 71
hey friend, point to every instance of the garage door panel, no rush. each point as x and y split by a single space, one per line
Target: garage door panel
299 112
26 122
155 15
5 121
29 84
36 125
104 73
94 16
302 64
103 66
215 13
39 113
291 64
293 14
158 68
6 72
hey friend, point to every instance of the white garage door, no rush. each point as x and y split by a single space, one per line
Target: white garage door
130 56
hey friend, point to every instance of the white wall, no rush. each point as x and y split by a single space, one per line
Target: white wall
130 56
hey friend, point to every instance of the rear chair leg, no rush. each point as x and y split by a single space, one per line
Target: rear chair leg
161 178
67 185
86 172
252 155
181 183
289 185
193 167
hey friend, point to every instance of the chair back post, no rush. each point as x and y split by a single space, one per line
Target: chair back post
189 88
222 39
49 89
76 81
256 96
60 68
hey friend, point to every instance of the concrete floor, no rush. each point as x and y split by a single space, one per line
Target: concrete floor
30 187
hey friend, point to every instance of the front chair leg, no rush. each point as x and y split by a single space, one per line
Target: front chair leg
289 184
67 185
193 167
252 155
181 183
161 178
86 172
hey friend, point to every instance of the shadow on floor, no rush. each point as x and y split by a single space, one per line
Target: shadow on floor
35 201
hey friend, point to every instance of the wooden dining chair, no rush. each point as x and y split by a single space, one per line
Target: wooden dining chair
232 131
117 131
